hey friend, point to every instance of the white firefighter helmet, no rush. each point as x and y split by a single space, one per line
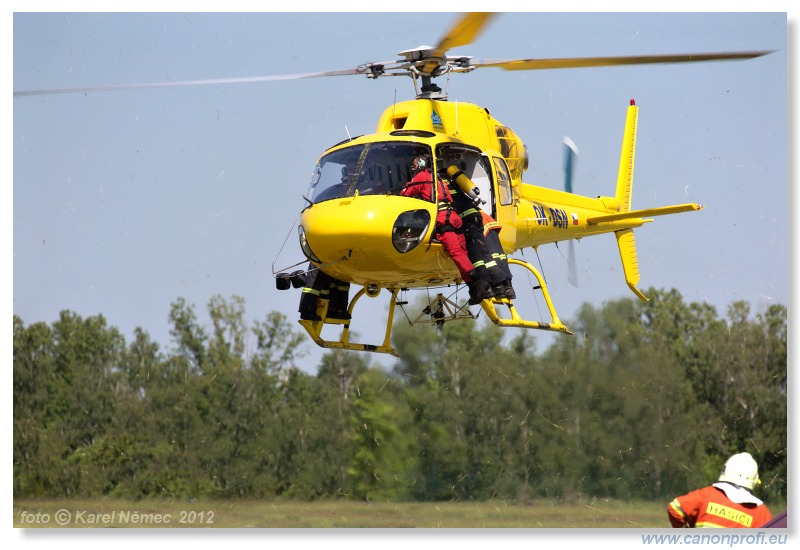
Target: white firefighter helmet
741 469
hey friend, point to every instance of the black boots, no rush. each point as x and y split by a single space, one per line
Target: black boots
479 290
310 316
504 290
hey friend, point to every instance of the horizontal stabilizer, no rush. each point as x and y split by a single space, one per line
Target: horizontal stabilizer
647 212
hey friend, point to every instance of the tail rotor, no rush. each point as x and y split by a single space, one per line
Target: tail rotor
570 158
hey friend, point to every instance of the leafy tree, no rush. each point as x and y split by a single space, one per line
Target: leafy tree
471 400
384 449
647 401
189 337
74 389
35 388
277 344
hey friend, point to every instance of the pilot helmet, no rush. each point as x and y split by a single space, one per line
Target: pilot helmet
419 163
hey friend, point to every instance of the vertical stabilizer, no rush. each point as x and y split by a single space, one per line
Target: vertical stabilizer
630 264
625 241
626 157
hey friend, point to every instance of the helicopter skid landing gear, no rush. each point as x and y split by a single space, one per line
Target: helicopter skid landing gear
314 328
489 306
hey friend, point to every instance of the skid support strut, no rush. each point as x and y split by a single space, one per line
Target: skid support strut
490 307
314 328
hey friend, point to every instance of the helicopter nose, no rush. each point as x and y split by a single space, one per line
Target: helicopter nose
368 235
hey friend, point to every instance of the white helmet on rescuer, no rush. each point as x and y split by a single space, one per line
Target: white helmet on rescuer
741 469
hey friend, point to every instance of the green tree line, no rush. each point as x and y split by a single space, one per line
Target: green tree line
646 401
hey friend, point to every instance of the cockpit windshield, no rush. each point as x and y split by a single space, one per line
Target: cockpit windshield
381 168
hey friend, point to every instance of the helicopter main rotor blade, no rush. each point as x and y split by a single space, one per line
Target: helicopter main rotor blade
578 62
463 32
118 87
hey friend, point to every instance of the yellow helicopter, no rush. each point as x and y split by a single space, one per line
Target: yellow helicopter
358 229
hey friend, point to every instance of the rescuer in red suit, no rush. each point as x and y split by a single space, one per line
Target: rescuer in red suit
447 222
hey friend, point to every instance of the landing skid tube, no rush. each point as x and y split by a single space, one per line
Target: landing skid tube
439 311
490 307
314 328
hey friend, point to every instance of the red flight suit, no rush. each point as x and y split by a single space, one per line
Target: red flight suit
447 221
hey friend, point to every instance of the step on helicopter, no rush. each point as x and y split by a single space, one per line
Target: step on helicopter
357 228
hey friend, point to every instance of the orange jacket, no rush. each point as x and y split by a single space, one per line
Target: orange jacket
489 223
711 507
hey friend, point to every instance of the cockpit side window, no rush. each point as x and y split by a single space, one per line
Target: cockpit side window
503 182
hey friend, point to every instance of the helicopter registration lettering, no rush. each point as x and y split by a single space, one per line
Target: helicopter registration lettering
546 216
559 217
541 218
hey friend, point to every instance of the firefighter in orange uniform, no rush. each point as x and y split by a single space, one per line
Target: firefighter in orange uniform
320 285
491 228
727 503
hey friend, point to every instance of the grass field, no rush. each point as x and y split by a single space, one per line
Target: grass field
336 514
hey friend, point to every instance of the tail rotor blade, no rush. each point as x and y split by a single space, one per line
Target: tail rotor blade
570 157
572 273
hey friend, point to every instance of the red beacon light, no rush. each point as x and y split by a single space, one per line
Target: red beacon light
633 102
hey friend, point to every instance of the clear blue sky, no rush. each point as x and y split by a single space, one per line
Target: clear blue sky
125 201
